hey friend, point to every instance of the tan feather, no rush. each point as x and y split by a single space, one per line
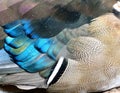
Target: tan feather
95 63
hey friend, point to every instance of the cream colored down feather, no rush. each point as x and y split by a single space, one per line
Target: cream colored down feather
95 63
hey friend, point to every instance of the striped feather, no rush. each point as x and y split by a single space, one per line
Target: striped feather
41 53
12 74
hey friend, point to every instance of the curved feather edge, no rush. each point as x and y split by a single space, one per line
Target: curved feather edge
11 74
24 80
6 65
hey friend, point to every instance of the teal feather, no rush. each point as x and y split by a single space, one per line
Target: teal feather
28 40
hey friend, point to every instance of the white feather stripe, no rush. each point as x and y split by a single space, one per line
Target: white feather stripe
55 71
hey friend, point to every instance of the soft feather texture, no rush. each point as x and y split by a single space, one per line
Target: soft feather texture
97 59
6 65
64 11
11 74
49 27
41 53
26 80
93 56
93 61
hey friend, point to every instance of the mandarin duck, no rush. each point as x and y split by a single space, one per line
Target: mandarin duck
81 60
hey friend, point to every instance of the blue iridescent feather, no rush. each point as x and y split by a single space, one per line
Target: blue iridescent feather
34 45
